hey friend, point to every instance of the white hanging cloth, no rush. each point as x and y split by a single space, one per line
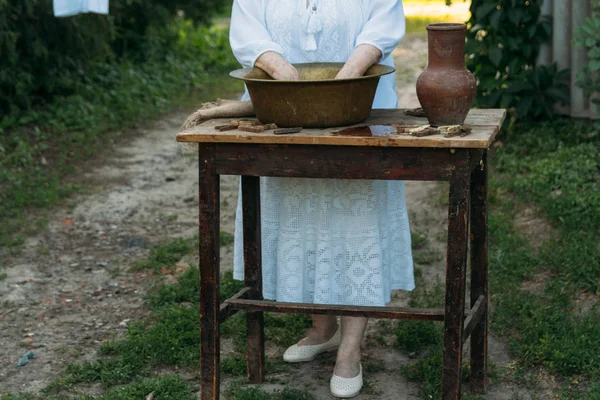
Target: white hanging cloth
67 8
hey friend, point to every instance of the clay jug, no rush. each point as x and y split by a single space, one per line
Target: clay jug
446 89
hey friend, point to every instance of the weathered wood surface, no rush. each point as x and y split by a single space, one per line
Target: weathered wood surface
486 124
466 170
479 274
209 213
347 162
473 317
424 314
456 263
255 336
227 310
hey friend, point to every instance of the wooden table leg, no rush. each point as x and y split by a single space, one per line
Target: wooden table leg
479 274
255 352
209 211
455 276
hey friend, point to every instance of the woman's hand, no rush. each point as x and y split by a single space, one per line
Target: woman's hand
277 67
361 59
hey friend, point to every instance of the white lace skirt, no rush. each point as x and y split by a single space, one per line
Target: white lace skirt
331 241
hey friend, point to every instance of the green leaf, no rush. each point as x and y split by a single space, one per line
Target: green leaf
594 53
557 94
484 10
495 19
535 78
507 99
513 66
519 86
545 28
587 28
562 75
495 54
583 78
513 42
590 42
524 105
487 83
594 65
532 30
515 16
493 99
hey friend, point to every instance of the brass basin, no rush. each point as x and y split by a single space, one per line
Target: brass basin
318 100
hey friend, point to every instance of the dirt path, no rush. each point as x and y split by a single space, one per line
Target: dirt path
69 289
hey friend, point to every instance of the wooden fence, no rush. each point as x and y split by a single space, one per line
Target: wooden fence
567 16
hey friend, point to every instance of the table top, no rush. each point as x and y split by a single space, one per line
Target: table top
485 122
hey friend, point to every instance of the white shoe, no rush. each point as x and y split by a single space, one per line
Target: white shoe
346 388
300 353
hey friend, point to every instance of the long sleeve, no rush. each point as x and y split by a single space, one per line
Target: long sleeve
385 25
248 35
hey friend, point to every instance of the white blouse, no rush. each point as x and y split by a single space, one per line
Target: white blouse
325 31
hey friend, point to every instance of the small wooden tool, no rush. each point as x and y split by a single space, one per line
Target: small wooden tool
286 131
224 128
424 130
253 129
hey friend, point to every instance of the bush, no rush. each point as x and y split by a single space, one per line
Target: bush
503 42
41 56
39 147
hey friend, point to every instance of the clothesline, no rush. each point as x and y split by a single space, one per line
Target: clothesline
67 8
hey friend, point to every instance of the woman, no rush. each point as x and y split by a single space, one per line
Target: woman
327 241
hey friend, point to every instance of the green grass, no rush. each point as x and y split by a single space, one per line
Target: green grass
427 371
555 166
236 365
418 239
416 336
163 387
372 367
422 339
256 393
226 238
417 25
427 257
164 256
170 336
580 391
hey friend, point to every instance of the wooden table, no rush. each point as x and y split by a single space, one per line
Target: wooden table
316 153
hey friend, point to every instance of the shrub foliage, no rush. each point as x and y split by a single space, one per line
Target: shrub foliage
41 55
504 40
